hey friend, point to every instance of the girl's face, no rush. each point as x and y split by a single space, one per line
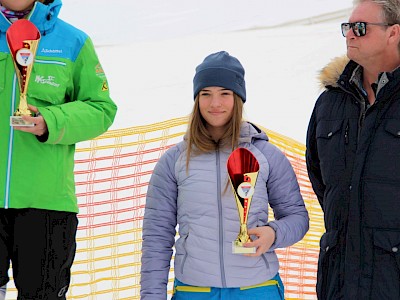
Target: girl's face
17 5
216 107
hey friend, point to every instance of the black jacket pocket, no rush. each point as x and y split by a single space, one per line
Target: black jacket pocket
331 149
386 265
328 266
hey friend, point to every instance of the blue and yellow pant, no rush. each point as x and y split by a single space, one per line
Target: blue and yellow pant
270 290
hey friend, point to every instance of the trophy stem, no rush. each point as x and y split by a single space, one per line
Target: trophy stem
243 236
23 109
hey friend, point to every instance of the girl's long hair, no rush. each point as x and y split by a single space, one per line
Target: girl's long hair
199 139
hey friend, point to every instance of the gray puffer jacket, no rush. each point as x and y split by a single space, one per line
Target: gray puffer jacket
201 202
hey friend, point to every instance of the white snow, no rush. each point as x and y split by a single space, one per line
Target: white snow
149 50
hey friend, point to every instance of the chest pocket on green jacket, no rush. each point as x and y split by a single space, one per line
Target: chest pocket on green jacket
330 143
3 57
48 83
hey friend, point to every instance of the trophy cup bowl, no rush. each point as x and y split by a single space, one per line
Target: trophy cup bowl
23 39
243 170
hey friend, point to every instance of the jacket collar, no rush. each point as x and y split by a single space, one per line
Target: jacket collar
249 132
43 16
341 71
330 74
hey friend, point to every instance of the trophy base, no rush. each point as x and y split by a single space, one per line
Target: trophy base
237 249
16 121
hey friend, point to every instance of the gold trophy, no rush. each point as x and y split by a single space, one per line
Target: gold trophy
243 170
23 39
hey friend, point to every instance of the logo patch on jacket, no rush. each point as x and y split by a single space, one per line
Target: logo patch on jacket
50 80
99 69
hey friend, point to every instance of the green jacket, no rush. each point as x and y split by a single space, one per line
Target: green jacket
70 89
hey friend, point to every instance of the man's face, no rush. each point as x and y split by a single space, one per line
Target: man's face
368 48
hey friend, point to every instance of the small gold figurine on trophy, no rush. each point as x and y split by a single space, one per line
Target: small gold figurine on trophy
243 170
23 39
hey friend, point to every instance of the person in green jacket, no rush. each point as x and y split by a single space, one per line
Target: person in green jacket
69 98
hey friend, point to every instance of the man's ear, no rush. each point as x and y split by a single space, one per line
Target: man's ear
394 36
394 32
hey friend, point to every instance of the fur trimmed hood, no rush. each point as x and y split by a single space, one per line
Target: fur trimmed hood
330 74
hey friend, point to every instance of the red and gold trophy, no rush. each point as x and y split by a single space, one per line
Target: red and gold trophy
23 39
243 170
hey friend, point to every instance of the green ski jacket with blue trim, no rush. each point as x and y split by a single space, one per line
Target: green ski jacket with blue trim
70 89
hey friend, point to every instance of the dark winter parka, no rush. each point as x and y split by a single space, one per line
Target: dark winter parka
353 161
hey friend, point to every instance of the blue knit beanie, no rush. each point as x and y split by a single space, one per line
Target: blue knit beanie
220 69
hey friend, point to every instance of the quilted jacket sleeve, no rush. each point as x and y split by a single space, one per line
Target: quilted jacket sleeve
159 228
89 111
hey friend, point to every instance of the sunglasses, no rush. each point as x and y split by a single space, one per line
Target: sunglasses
359 28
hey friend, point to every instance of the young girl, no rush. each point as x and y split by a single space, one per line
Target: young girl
190 188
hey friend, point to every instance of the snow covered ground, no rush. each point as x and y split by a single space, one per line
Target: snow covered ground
149 50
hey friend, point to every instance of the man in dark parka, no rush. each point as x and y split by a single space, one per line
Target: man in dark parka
353 159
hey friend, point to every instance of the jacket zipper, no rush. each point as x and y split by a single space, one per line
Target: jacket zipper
346 142
10 148
220 221
8 175
361 103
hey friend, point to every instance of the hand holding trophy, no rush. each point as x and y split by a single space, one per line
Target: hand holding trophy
243 170
23 39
